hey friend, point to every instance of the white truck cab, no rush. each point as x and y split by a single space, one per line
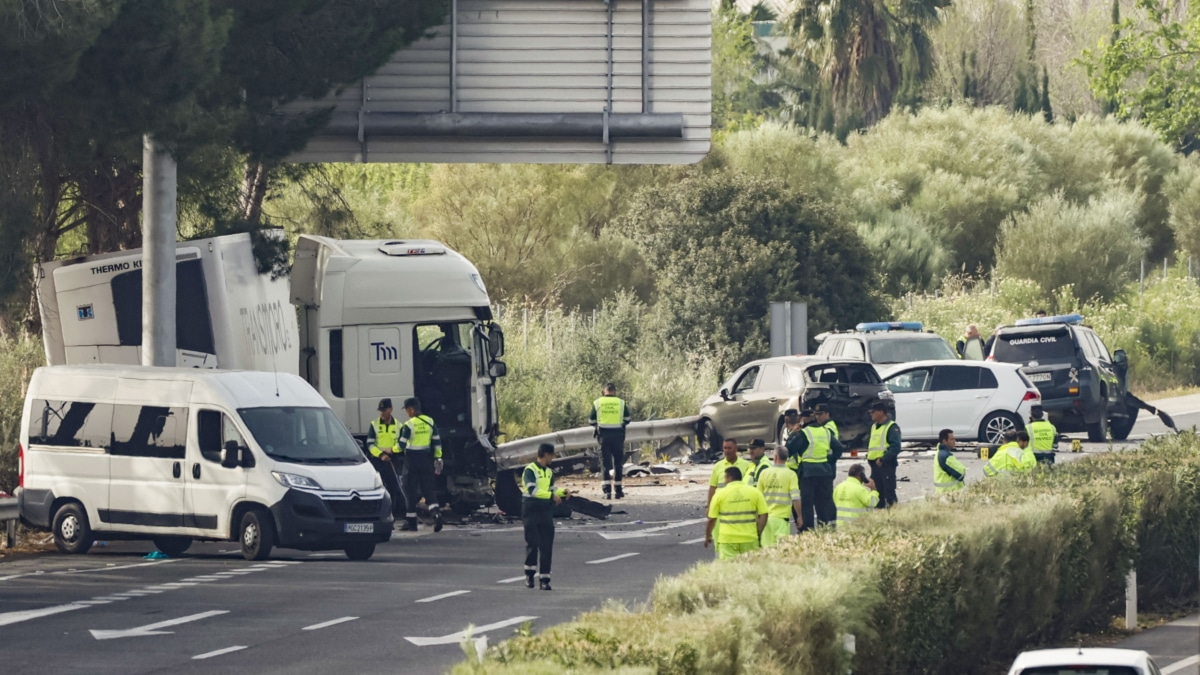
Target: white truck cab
178 454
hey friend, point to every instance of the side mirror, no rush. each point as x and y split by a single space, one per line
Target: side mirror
1120 358
247 458
229 459
498 369
495 339
724 394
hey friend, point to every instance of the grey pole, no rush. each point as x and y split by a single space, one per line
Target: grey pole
158 254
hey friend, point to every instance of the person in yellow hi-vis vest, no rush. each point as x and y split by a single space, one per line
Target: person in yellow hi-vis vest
1015 456
742 513
421 445
758 457
1043 435
855 496
717 480
781 488
538 497
384 453
949 474
610 415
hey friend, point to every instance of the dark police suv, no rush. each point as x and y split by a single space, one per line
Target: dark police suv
1083 387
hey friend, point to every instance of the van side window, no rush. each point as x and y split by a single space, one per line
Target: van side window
213 430
70 424
149 431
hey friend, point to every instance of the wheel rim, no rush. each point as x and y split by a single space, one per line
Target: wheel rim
997 427
250 536
69 528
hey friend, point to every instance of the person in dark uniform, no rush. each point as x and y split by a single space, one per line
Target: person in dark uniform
610 416
883 453
384 453
538 497
814 451
421 445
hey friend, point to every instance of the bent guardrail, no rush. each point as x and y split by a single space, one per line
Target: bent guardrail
516 454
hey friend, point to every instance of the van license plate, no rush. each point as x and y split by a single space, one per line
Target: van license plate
367 528
1040 377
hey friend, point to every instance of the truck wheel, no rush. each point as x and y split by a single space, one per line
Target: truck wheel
72 533
1098 432
258 535
508 493
994 426
362 550
173 546
1122 426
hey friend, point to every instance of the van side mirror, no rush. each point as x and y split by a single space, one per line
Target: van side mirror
229 459
498 369
495 338
247 458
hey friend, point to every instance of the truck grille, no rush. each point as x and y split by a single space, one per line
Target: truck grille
354 509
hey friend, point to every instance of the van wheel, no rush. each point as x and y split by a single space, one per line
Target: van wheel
258 535
362 550
72 533
173 546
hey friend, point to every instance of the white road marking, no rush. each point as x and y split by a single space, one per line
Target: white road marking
153 628
87 571
327 624
615 557
692 541
94 602
232 550
650 531
219 652
511 580
326 555
110 598
443 596
9 618
1180 665
455 638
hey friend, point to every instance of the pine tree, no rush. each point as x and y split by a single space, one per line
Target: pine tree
1047 111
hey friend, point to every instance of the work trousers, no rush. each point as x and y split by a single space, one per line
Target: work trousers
391 481
539 535
883 472
816 502
612 453
419 480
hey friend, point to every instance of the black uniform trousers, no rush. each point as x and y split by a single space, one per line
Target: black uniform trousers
391 481
816 502
419 479
883 472
539 534
612 454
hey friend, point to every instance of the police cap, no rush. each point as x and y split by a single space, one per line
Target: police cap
758 443
879 405
385 403
412 402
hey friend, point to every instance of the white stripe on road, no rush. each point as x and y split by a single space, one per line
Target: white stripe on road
86 571
327 624
511 580
692 541
615 557
219 652
443 596
9 618
650 531
455 638
1180 665
326 555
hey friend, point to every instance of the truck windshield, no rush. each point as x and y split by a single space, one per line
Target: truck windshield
1053 346
302 435
904 350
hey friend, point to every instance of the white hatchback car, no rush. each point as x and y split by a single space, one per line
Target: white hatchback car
978 400
1084 662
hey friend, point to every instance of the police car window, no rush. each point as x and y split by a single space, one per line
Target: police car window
1087 344
904 350
1053 346
1098 346
72 424
853 349
956 378
771 378
910 381
746 382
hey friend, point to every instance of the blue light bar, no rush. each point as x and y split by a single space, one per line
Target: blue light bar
1042 320
880 326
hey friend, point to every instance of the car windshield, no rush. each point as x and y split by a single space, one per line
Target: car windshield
904 350
1047 347
1079 670
302 435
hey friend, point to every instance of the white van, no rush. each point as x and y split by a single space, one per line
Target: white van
178 454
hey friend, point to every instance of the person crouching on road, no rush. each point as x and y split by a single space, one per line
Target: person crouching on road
610 416
537 511
855 496
949 474
1015 456
742 513
781 489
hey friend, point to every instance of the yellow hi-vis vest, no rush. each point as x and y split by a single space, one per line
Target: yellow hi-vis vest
610 412
1041 435
420 435
736 508
1010 458
817 451
385 436
832 426
877 445
944 482
852 499
779 487
717 479
539 482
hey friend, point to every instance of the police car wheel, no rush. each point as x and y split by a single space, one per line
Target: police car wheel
1098 431
1122 426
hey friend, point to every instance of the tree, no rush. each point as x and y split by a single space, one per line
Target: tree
740 94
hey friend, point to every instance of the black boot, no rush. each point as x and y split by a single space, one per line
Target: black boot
529 579
545 583
608 492
410 524
437 519
620 493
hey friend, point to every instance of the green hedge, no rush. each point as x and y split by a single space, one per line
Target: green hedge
953 585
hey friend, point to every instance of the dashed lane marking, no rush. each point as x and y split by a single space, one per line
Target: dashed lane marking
9 618
611 559
1180 665
332 622
511 580
692 541
218 652
443 596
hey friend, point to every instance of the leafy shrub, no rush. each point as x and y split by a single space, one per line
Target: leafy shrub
18 358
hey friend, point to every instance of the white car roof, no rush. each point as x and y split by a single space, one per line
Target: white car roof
886 372
1131 658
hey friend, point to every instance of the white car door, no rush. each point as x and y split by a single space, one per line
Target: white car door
959 401
914 401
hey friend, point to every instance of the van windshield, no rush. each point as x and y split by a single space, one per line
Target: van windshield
302 435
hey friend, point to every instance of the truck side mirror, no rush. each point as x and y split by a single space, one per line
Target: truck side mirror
498 369
495 339
229 459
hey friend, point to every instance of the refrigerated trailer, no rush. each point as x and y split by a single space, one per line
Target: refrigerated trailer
358 320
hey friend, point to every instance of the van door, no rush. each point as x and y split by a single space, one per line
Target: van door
213 489
148 450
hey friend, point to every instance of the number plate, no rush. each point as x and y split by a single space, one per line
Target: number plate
366 528
1040 377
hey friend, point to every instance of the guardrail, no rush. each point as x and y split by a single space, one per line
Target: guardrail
516 454
10 516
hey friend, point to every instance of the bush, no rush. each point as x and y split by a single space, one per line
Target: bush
952 585
18 358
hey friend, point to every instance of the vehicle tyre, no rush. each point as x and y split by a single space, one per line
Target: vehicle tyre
362 550
779 431
1122 426
507 493
710 440
72 532
257 535
1098 432
173 546
995 425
